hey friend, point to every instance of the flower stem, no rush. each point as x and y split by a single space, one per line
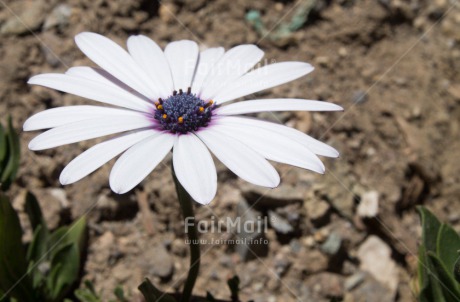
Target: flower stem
186 204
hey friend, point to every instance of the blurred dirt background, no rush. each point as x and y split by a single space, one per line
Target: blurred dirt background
348 235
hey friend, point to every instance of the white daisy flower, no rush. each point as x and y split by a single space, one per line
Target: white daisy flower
175 99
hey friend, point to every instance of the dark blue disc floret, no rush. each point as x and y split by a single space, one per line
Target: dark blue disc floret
183 112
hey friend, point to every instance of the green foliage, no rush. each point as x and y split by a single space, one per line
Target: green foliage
14 280
48 268
9 155
283 32
89 294
438 260
153 294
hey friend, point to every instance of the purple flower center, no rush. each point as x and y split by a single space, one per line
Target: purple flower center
183 112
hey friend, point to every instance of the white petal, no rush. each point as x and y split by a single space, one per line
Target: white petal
231 66
96 156
102 76
114 59
195 168
87 129
91 90
276 105
206 61
136 163
314 145
240 159
182 57
272 145
150 57
66 115
263 78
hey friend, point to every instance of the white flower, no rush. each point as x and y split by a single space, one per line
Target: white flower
175 99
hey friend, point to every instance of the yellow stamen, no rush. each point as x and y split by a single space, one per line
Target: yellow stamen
209 103
180 119
165 116
160 107
201 109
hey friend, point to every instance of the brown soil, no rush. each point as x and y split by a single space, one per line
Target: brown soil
393 65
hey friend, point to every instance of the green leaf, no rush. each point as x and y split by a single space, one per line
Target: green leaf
429 288
65 266
87 294
3 146
36 253
66 245
90 286
447 246
120 294
437 256
13 152
457 270
38 250
153 294
430 229
14 280
446 282
77 232
59 236
66 235
34 212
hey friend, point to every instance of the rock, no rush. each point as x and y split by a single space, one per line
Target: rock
375 257
116 207
309 241
179 248
59 17
342 201
369 289
295 246
454 91
348 268
323 61
312 262
167 11
321 235
159 262
369 204
332 245
52 204
354 280
251 241
437 9
281 263
318 211
327 285
303 121
104 245
226 261
359 97
61 196
343 52
266 198
29 19
280 224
